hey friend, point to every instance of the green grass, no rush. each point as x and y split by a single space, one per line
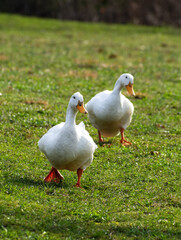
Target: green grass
128 193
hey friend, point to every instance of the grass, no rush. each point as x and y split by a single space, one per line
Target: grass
128 193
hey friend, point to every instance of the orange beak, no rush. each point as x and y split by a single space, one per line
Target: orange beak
130 90
81 108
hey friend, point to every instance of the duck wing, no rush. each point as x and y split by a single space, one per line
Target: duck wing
48 136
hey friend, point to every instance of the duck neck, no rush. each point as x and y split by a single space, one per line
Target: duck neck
117 88
70 116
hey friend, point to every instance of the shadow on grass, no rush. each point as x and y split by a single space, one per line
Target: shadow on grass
146 233
88 229
25 181
30 182
107 143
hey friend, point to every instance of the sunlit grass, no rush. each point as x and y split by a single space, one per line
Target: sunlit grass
128 193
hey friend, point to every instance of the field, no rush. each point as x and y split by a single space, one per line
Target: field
127 192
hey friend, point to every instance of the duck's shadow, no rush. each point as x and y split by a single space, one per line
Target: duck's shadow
26 182
104 143
22 181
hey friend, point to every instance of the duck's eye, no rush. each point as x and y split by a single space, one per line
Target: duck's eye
126 77
73 97
80 104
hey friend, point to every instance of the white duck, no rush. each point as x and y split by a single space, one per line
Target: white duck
111 112
67 145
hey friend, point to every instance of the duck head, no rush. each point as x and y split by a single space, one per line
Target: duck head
77 102
126 80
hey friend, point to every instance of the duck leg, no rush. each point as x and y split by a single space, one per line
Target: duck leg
53 176
123 141
100 139
79 174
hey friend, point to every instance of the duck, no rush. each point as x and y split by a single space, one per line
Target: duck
110 112
67 145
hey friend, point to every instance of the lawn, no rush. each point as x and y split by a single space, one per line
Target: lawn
128 192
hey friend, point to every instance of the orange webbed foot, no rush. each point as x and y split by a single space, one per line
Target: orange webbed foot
125 143
78 185
53 176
